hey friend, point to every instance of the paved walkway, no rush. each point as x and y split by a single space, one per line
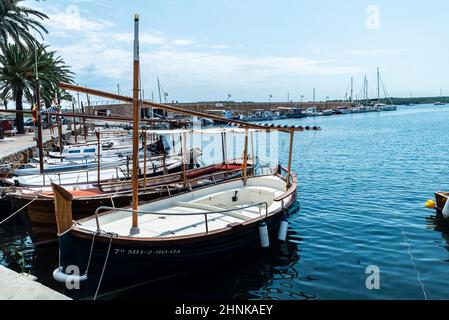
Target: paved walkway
15 286
19 143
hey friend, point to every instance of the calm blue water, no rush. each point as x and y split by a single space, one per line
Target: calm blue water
363 183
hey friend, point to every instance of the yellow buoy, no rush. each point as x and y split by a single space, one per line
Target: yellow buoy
430 204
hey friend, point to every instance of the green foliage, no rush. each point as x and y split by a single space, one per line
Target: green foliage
18 68
18 23
18 71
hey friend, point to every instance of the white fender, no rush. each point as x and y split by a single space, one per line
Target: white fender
283 228
446 209
263 234
62 277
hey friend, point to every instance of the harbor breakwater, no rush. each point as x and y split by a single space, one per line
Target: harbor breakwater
120 109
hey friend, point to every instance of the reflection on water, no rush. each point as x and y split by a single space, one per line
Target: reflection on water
363 183
441 225
254 275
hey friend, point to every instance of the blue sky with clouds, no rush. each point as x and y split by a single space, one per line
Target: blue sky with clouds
204 49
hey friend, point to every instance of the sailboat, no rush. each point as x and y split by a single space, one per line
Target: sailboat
381 106
440 103
124 246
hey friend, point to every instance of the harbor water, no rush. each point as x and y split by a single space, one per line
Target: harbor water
363 182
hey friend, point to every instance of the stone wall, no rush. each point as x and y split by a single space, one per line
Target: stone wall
126 110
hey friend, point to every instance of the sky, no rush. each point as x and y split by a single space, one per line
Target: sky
203 50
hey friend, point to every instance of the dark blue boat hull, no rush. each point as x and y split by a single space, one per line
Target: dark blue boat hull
133 262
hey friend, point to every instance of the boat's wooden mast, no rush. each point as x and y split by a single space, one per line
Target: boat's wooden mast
84 116
290 154
98 156
183 153
40 145
58 119
145 154
252 154
74 121
84 121
136 114
245 159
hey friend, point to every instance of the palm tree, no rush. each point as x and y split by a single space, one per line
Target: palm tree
18 68
17 23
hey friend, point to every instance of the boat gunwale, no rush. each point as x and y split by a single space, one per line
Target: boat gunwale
142 190
104 237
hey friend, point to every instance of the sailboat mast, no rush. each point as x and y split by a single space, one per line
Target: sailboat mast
352 89
365 89
378 85
159 89
39 120
136 113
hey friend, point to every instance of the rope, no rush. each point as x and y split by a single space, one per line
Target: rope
104 267
12 215
412 260
112 201
90 254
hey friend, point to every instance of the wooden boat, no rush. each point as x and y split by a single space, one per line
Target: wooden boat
441 199
178 233
39 217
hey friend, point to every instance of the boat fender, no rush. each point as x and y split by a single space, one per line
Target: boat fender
446 210
264 237
430 204
283 228
60 276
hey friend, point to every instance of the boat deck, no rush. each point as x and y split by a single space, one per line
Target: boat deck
183 223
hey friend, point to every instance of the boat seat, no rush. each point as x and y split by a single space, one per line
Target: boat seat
205 207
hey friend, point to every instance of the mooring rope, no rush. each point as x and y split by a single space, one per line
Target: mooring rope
18 211
412 260
90 254
104 267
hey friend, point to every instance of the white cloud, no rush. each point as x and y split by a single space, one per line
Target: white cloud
93 58
182 42
99 53
72 21
219 68
145 38
220 46
376 52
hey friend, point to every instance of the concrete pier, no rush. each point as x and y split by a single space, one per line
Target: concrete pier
11 146
15 286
